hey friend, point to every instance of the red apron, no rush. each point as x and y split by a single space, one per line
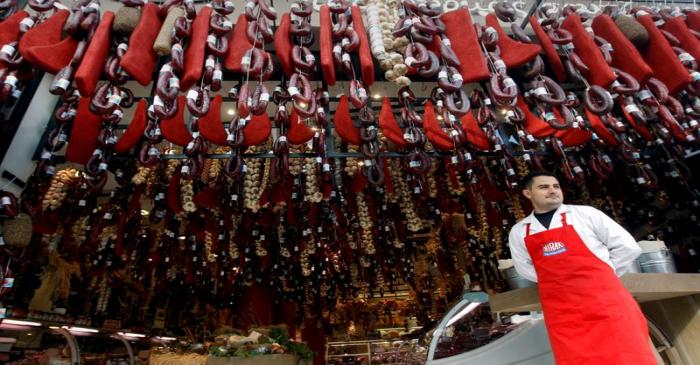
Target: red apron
590 317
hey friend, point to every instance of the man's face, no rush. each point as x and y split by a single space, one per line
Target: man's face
545 193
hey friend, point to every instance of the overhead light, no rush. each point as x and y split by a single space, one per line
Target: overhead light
231 112
182 238
463 313
129 334
166 339
144 212
81 329
377 96
17 322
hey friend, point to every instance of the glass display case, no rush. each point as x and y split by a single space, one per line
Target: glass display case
371 352
471 334
31 343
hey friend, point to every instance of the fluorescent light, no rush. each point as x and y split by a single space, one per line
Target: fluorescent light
231 112
144 212
377 96
81 329
129 334
463 313
8 340
20 323
165 338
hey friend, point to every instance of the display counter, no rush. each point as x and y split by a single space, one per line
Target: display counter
28 344
671 303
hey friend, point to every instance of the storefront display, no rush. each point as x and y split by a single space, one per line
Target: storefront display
210 169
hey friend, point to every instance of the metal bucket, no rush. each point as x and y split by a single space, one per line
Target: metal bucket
633 268
657 262
515 281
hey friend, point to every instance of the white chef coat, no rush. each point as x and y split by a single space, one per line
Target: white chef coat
603 236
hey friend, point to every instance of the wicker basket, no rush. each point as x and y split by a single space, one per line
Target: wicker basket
17 231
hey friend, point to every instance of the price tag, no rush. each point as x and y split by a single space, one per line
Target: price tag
644 94
63 83
686 57
28 22
8 50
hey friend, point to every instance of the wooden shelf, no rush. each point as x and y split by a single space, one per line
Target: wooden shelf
644 288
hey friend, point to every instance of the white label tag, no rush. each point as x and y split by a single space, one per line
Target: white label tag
115 98
123 46
63 84
686 57
193 95
540 91
644 94
414 164
28 22
174 82
409 61
8 50
293 90
11 80
346 57
631 108
264 97
5 200
166 68
326 167
442 75
337 49
210 63
157 101
578 169
245 61
218 75
508 82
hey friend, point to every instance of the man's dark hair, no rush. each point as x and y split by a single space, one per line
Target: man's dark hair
530 178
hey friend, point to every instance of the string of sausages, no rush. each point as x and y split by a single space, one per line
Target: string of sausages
16 71
107 103
502 94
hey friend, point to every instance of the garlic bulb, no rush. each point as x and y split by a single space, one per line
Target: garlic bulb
61 183
414 223
186 195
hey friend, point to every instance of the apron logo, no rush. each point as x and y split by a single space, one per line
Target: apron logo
553 248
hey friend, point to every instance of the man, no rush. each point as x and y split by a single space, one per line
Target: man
574 253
